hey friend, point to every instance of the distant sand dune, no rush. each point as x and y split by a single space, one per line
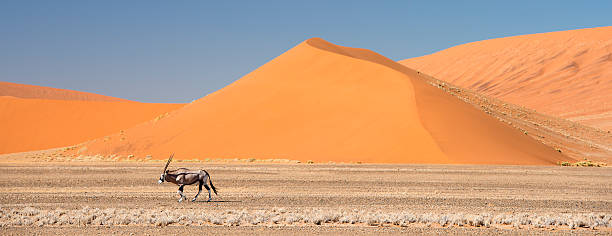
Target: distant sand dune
64 117
566 74
40 92
324 102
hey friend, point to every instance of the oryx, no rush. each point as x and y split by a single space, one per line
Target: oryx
184 176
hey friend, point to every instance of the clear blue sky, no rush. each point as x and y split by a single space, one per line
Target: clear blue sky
177 51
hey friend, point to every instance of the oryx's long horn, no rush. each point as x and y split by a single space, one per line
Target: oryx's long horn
168 163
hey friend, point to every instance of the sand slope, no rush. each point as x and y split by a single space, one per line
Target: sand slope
566 74
572 139
323 102
40 92
65 117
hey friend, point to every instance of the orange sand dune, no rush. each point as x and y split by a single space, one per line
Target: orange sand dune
566 74
34 124
323 102
33 91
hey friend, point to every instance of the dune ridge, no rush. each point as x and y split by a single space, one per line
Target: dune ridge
9 89
323 102
566 74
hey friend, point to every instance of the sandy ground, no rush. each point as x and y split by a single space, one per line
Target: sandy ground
307 189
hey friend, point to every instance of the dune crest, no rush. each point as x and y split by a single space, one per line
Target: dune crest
41 92
323 102
566 74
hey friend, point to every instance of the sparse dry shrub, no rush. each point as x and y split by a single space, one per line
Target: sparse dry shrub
443 220
424 218
234 220
160 217
255 220
276 219
476 220
346 220
583 163
318 219
29 211
162 221
290 219
217 221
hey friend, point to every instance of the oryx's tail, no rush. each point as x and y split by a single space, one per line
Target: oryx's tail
211 184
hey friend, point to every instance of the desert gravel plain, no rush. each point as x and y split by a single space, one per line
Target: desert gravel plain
332 198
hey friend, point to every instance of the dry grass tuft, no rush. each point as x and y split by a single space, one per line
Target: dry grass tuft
87 216
583 163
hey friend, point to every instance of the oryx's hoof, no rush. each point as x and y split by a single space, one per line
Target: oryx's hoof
210 199
193 200
180 199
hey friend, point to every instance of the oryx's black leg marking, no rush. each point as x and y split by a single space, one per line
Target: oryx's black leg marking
207 188
199 191
180 192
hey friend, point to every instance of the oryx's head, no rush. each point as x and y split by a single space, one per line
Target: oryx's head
163 175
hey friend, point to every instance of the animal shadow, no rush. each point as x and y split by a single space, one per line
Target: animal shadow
217 201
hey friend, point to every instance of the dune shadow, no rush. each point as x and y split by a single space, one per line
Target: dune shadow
218 201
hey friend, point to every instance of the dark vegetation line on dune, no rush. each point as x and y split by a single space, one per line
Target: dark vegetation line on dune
573 139
557 73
